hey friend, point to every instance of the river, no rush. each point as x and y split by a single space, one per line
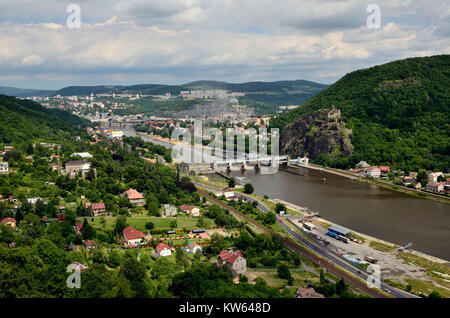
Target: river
382 213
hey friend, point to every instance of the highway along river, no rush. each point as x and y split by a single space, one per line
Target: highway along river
385 214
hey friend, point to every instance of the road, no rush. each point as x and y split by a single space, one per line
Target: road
328 255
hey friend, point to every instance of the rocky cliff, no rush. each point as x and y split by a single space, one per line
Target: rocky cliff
320 133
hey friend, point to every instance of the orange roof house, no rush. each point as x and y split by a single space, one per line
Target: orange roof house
135 197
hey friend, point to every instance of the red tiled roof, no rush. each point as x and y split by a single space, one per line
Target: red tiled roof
79 226
7 220
133 194
161 246
229 256
187 207
89 243
61 216
131 233
384 168
98 206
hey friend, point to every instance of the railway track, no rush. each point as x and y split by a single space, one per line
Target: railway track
301 250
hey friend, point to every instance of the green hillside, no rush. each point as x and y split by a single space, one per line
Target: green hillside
399 113
24 120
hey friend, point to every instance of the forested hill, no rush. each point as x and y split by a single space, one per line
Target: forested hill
24 120
399 114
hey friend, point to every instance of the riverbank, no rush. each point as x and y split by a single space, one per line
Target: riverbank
383 184
410 270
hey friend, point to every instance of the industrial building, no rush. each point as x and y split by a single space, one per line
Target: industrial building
338 230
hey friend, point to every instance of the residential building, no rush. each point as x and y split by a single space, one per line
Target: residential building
169 210
193 248
433 176
97 208
78 228
9 221
4 168
373 172
234 261
384 171
190 209
435 187
228 193
34 200
163 249
135 197
89 244
132 236
362 165
74 167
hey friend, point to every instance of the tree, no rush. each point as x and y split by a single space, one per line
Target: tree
248 188
434 294
201 221
422 177
149 225
88 232
121 223
270 218
280 207
231 182
283 272
173 224
133 270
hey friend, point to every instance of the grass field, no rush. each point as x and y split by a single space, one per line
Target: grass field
138 222
301 279
382 247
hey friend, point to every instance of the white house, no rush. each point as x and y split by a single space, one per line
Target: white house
190 209
373 172
33 200
170 210
193 248
228 193
163 249
433 176
4 168
133 236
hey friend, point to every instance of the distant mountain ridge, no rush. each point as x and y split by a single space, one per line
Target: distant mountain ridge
24 92
156 89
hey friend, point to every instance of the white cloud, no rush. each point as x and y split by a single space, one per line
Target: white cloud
32 60
175 40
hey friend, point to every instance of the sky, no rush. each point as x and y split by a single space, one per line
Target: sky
123 42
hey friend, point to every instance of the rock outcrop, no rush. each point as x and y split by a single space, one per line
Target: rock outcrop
320 133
